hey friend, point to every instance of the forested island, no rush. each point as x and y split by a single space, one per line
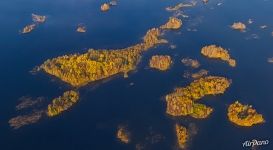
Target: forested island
62 103
81 69
173 23
182 102
244 115
217 52
182 136
161 62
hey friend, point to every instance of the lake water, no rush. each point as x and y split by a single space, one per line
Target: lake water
92 123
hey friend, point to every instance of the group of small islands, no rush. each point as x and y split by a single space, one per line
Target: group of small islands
36 20
78 70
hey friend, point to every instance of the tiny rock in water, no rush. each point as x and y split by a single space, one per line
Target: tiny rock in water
238 26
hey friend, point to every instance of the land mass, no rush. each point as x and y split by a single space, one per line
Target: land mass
62 103
81 69
217 52
181 135
238 26
22 120
244 115
182 101
123 135
161 62
28 28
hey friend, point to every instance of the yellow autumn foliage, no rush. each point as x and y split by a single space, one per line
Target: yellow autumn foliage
244 115
182 101
62 103
80 69
182 136
105 7
123 135
28 28
217 52
161 62
238 26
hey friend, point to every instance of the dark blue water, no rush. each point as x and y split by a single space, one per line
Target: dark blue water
91 124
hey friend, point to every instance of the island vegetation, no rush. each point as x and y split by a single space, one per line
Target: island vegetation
217 52
161 62
81 69
62 103
182 102
81 28
244 115
22 120
123 135
182 136
28 28
37 19
238 26
190 62
173 23
105 7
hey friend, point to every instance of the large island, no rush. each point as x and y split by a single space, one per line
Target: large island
81 69
182 101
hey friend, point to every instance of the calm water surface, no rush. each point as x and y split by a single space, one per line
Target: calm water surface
91 124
